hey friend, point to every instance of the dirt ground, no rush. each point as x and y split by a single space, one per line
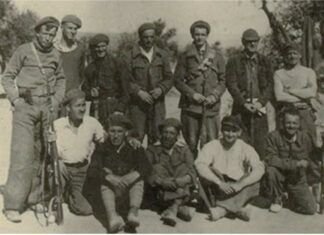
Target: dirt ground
261 221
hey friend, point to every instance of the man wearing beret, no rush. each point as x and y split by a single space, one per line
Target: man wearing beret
33 76
199 77
76 136
146 70
249 79
122 169
73 52
231 170
173 172
102 85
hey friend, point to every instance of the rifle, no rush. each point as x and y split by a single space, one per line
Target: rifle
252 115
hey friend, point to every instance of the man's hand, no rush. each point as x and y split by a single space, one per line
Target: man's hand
146 97
135 143
118 113
51 136
199 98
226 188
250 107
168 184
156 93
236 187
17 102
302 163
210 100
94 92
128 179
258 105
115 181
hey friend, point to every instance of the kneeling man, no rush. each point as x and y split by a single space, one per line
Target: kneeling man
230 169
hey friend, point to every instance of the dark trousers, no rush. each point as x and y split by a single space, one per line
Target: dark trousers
191 123
300 198
29 123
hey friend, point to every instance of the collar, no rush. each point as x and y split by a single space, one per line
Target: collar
62 48
297 138
67 123
253 58
193 51
178 144
40 48
136 51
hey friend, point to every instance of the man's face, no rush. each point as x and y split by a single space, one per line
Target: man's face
147 39
251 46
169 136
101 49
230 134
292 57
46 36
69 31
200 36
291 124
117 135
77 109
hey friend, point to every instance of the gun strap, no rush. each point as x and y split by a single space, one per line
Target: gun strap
40 65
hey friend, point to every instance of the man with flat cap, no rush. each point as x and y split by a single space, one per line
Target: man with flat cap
231 170
249 79
146 70
122 172
73 52
200 79
103 85
173 172
33 77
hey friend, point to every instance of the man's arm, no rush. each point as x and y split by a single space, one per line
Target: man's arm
60 82
309 91
220 89
167 77
280 93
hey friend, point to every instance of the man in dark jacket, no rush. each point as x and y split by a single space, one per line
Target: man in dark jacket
199 77
249 79
173 172
102 85
146 69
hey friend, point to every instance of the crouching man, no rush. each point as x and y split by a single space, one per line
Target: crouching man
173 172
123 169
230 169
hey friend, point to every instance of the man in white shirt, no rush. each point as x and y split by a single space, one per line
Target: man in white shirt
230 169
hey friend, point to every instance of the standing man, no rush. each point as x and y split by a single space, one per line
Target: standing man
33 76
146 69
200 80
249 79
102 85
72 51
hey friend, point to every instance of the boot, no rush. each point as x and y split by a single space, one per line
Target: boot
132 218
169 217
116 224
184 213
244 214
12 216
217 213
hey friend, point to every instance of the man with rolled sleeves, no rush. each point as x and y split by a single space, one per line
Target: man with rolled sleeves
146 70
73 52
200 79
173 172
249 79
103 85
33 76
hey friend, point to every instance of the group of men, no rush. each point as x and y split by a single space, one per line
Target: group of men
227 158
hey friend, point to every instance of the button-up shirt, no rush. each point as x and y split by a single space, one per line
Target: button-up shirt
77 147
235 162
147 54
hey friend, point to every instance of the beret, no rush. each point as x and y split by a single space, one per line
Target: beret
171 122
119 120
232 121
250 35
199 24
72 19
145 26
73 94
98 38
47 20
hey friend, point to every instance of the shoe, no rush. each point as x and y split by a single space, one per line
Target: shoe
169 218
276 206
217 213
116 224
12 216
38 208
184 213
132 218
244 214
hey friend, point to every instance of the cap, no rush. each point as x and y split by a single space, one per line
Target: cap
232 122
145 26
171 122
47 20
73 19
250 35
98 38
119 120
200 24
73 94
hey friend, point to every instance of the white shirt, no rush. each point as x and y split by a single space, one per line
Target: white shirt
149 54
232 162
73 148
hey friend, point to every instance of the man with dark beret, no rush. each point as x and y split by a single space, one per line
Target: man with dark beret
249 79
73 52
122 172
199 77
230 170
146 70
103 85
173 172
33 76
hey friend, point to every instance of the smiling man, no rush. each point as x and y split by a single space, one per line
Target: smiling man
230 169
103 85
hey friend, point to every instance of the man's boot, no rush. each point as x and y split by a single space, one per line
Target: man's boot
12 216
132 218
184 213
244 214
217 213
116 224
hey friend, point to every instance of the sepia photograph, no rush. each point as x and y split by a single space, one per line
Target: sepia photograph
155 117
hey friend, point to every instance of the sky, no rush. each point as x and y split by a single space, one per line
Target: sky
228 19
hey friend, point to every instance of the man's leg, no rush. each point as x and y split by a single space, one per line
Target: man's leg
135 200
138 118
212 125
190 129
